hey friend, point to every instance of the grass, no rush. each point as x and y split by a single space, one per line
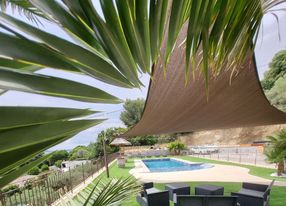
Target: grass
253 170
278 197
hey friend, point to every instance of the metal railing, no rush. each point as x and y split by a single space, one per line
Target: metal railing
243 155
50 187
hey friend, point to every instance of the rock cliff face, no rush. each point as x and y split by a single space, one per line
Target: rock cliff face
234 136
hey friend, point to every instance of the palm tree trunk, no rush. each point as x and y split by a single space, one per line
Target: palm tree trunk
284 166
280 168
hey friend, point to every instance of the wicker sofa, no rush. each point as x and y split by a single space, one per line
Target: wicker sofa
254 194
204 200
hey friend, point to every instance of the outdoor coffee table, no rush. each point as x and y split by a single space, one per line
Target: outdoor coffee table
209 190
151 191
178 188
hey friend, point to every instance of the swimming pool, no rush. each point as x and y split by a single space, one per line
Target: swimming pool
171 165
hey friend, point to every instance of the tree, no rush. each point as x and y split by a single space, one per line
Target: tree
143 140
79 152
176 147
133 110
131 115
96 148
276 151
277 70
274 82
58 155
277 95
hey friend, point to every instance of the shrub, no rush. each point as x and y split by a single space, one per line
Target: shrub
11 190
34 171
276 151
58 163
58 155
44 168
144 140
176 147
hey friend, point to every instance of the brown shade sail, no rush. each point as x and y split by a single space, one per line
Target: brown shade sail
173 107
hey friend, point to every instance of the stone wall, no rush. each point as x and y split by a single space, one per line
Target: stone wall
234 136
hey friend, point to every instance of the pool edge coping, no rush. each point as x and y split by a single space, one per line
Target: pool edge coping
139 164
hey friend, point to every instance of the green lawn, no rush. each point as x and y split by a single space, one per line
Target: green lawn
278 197
254 170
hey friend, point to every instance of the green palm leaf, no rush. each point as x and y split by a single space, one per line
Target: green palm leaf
40 84
9 63
135 24
13 117
77 30
107 192
88 62
24 7
20 156
177 19
158 14
128 36
16 138
18 142
114 46
32 52
4 180
25 131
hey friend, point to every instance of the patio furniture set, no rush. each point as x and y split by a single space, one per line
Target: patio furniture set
205 195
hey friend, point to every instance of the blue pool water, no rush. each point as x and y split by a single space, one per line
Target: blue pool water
171 165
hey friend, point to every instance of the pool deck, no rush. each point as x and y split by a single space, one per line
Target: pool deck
218 173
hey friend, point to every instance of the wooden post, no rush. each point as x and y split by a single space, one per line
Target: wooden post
105 157
20 197
15 197
49 191
82 172
29 197
70 176
25 197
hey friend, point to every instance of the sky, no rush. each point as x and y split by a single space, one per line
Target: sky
268 44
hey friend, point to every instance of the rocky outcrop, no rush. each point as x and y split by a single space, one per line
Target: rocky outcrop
234 136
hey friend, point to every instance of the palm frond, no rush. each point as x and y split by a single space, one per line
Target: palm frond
220 32
23 7
11 79
107 192
276 151
27 131
17 172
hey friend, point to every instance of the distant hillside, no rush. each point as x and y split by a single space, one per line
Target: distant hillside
231 136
